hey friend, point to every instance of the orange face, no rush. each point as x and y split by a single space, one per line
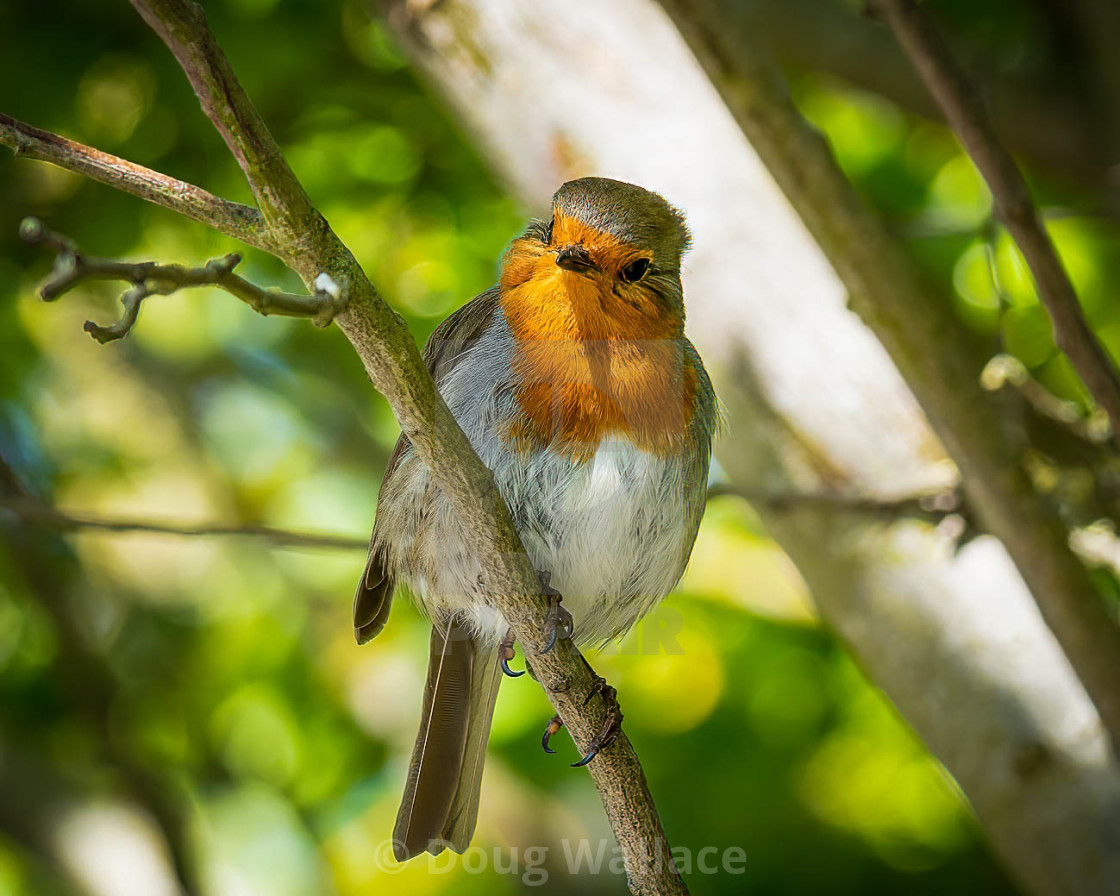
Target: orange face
596 355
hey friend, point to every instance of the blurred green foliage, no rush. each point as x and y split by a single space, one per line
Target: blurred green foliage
214 683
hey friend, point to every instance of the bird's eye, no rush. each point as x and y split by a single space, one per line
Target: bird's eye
636 270
548 233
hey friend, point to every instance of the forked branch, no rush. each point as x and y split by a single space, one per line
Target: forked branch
149 278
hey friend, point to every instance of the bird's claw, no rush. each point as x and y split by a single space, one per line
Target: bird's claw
558 622
554 725
612 722
507 653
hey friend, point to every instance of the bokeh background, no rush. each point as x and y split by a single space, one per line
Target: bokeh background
193 712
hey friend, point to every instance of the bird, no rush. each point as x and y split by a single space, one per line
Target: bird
577 387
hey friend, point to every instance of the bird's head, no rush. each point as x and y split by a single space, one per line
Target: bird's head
611 251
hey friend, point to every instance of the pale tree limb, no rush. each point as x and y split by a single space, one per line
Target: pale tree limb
814 404
300 237
927 343
241 222
965 113
149 278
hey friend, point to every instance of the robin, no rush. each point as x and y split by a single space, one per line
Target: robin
576 386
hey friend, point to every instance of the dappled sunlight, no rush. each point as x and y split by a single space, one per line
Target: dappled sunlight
220 673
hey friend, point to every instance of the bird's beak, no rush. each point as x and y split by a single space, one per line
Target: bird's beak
575 258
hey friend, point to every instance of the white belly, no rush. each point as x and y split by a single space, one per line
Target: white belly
614 533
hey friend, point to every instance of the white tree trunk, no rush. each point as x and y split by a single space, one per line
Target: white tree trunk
556 89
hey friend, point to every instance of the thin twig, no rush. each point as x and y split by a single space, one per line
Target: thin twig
931 508
31 510
148 278
242 222
965 113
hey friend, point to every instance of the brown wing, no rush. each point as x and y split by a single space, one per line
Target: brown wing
458 333
447 344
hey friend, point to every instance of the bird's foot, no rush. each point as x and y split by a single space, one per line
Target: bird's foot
612 723
558 622
506 653
608 732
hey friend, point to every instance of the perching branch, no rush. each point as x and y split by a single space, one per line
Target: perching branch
149 278
181 25
231 218
296 233
929 346
965 113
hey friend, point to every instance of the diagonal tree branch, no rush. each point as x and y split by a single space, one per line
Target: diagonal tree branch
231 218
965 113
297 233
149 278
928 345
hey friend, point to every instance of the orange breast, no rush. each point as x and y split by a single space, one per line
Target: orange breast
595 357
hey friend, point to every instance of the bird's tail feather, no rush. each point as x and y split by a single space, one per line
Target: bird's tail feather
440 805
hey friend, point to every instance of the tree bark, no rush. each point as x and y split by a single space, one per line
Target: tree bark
930 347
814 402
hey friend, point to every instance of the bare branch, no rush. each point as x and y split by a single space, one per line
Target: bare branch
32 510
965 113
149 278
933 508
231 218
